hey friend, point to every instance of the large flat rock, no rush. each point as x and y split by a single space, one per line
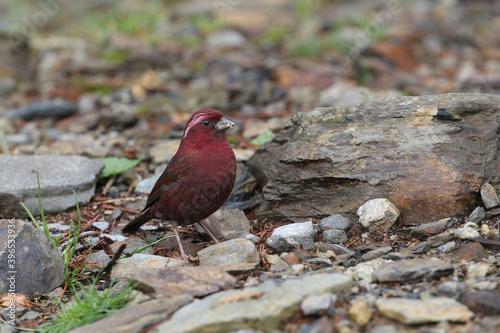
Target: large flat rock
428 155
59 177
263 307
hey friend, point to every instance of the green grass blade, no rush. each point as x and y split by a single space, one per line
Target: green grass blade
31 216
139 250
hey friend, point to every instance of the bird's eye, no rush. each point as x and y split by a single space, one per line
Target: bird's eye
206 123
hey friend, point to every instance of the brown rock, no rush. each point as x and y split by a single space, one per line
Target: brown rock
484 301
432 228
292 259
335 159
470 252
174 281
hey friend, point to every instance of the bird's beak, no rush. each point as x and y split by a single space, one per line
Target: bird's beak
224 124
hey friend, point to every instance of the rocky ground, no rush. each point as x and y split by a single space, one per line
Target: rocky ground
304 248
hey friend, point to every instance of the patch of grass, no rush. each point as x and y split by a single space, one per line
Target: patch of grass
192 42
3 143
73 237
116 56
305 8
308 46
273 37
206 24
89 304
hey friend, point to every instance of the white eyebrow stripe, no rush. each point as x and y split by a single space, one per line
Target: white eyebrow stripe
193 122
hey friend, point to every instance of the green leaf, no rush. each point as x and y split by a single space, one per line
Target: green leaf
115 166
262 138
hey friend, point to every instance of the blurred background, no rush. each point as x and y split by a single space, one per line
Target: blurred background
119 72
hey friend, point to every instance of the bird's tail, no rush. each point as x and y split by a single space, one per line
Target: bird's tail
136 223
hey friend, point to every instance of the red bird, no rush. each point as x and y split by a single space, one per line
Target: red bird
198 179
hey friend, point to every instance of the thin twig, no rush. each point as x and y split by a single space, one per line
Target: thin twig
106 188
115 258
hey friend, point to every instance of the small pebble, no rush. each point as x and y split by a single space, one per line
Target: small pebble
466 233
318 304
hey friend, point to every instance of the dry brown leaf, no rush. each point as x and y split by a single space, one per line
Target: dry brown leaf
18 299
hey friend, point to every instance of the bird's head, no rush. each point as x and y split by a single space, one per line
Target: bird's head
207 125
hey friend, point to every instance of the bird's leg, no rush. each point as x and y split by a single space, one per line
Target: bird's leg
176 232
208 232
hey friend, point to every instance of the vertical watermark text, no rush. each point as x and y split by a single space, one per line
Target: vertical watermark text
11 272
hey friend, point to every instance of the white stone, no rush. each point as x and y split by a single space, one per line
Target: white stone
291 235
466 233
378 214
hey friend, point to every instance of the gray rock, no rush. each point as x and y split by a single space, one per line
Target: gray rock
37 265
239 250
100 257
447 247
277 264
478 215
378 214
137 317
30 315
59 177
133 243
336 152
146 186
48 109
196 281
240 268
334 236
21 138
466 233
374 254
57 226
412 311
431 243
336 221
225 39
227 224
412 270
318 304
290 236
489 196
115 238
321 261
451 289
101 225
129 267
263 307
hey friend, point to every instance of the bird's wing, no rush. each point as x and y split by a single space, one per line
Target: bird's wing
174 172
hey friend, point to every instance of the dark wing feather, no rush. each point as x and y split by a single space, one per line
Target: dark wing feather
172 174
